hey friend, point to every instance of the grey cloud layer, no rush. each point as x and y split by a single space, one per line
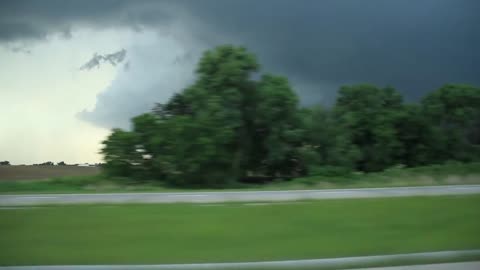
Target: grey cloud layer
34 19
414 45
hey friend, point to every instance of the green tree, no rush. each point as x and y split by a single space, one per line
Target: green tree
416 136
278 126
120 153
454 114
226 127
221 98
325 144
177 105
202 135
366 116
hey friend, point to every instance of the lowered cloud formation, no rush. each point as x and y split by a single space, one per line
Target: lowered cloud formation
113 58
415 46
152 76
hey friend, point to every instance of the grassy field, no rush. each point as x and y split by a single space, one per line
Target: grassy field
446 174
23 172
185 233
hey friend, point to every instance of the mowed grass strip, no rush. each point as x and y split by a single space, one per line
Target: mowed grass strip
195 233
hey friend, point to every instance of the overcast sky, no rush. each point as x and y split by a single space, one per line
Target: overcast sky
71 70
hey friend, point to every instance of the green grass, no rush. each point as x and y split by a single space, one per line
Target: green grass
186 233
450 173
78 184
447 174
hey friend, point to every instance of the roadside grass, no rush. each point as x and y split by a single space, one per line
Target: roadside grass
451 173
235 232
79 184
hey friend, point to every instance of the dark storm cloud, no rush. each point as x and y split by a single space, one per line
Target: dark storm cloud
35 19
414 45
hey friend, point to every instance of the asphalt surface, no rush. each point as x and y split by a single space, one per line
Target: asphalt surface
442 266
337 263
234 196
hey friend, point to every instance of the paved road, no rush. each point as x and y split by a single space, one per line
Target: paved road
235 196
292 264
442 266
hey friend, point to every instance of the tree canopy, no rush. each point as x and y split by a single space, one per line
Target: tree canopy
228 127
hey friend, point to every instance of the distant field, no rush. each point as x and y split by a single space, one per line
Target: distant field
185 233
44 172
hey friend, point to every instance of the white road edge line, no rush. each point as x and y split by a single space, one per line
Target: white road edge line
332 262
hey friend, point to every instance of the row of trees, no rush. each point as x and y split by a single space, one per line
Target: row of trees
228 127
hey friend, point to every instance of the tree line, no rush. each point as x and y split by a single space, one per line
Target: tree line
228 127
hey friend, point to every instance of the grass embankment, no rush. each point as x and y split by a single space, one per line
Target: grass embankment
447 174
451 173
186 233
